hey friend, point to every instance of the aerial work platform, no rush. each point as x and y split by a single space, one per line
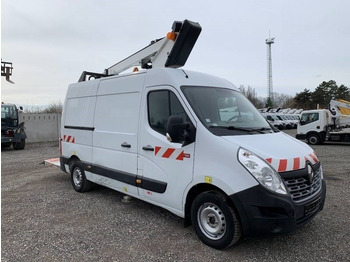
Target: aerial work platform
171 51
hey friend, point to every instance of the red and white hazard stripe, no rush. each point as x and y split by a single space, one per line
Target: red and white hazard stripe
170 153
285 165
69 139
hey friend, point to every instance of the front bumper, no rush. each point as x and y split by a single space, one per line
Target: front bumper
9 140
300 136
6 140
265 213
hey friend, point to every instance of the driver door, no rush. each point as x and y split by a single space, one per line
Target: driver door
165 168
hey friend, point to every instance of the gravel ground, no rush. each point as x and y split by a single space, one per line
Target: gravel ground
44 219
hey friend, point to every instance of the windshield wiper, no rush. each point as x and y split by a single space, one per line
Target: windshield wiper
249 130
261 130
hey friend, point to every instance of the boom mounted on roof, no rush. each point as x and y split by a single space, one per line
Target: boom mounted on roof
171 51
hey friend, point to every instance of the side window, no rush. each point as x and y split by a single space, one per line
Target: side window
309 118
161 105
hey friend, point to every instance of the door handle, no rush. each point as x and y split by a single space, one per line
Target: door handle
125 144
148 148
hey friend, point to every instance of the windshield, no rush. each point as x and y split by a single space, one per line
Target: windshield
222 108
9 116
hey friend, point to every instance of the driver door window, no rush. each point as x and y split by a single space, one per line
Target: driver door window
309 118
161 105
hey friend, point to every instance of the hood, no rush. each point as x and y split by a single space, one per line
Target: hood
283 152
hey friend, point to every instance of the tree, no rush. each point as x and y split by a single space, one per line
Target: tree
327 91
252 96
54 107
324 93
303 99
283 100
343 92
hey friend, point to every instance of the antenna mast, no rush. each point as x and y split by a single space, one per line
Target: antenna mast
269 42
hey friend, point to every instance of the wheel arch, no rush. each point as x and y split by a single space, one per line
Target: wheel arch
71 160
194 192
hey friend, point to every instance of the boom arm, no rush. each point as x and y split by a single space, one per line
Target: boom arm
340 110
170 51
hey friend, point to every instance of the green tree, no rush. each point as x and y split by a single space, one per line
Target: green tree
343 92
324 93
303 99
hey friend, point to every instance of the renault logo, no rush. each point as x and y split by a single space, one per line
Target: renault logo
310 173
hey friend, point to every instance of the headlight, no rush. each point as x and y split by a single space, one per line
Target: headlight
262 172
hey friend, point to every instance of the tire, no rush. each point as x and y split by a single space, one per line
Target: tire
78 178
215 221
20 145
313 139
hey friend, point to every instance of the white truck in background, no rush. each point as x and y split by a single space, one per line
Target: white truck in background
333 124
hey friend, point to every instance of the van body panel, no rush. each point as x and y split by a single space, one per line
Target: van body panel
116 121
77 125
216 163
262 146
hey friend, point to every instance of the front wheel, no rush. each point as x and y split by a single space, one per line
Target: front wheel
78 178
215 221
314 139
19 145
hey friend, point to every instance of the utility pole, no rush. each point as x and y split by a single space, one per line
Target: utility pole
269 42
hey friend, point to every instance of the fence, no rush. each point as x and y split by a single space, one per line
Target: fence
41 127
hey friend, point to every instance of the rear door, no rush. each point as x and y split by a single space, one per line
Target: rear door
165 168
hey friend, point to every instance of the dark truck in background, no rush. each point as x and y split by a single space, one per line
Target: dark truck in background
12 132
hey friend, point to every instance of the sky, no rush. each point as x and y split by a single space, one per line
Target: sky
50 42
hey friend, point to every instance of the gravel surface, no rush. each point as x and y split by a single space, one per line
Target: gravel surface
44 219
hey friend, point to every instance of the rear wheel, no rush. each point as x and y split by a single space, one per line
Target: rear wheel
215 221
78 178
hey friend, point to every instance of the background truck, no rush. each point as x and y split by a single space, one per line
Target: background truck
333 124
12 132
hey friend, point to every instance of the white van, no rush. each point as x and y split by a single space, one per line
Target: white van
194 145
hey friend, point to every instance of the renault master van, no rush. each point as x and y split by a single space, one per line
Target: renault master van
193 144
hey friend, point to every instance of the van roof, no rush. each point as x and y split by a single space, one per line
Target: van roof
168 76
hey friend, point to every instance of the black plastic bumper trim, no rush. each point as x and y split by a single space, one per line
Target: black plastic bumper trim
265 213
86 128
127 178
300 136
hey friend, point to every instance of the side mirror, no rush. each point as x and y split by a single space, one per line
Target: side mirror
176 129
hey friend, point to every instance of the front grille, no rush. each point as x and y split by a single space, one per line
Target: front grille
300 188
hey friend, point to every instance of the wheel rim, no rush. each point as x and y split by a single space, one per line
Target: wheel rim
313 140
211 221
77 177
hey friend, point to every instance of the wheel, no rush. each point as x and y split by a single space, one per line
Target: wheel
215 221
313 139
78 178
20 145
